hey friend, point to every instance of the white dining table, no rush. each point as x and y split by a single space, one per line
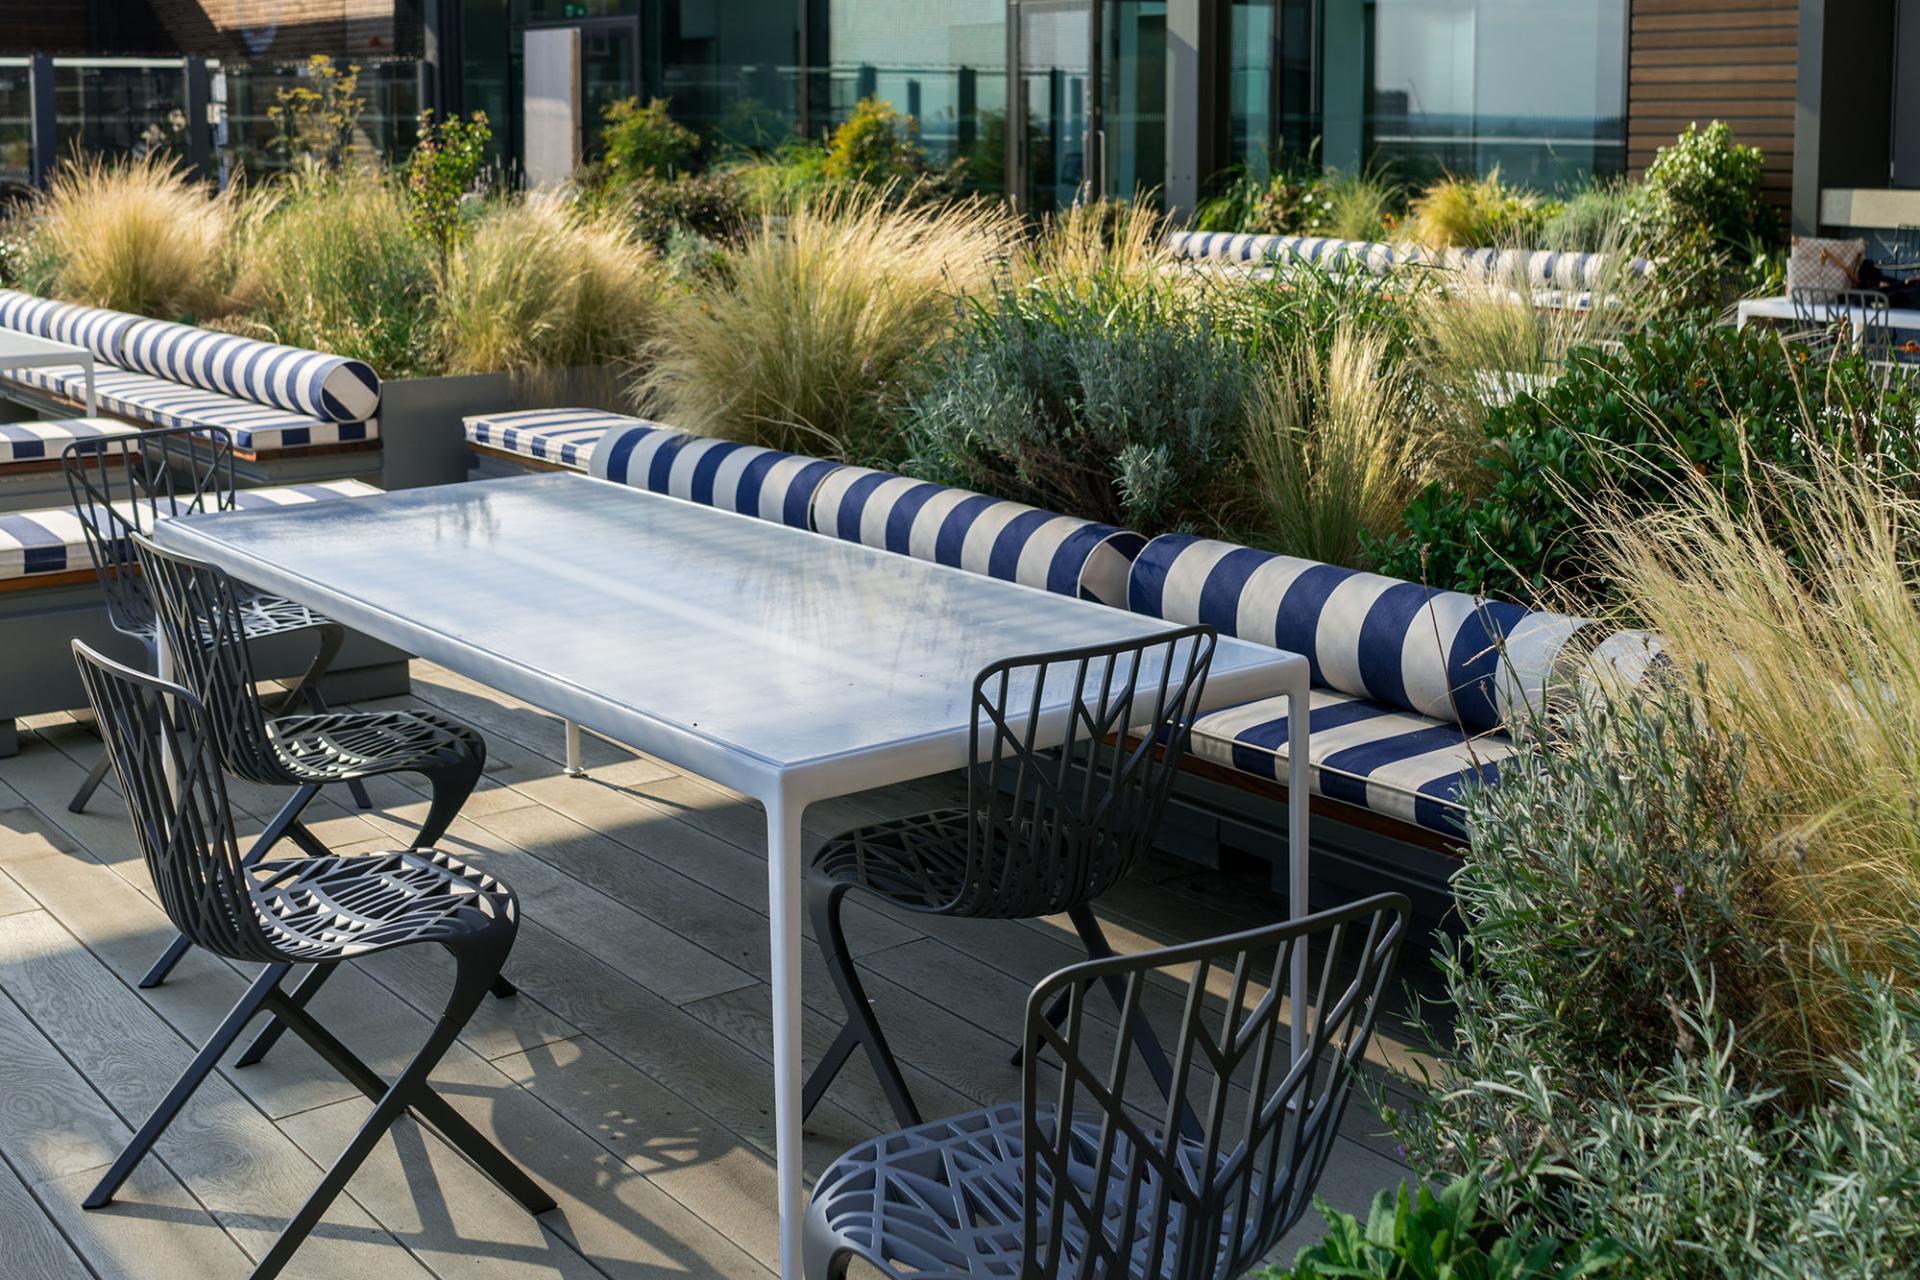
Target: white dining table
787 665
26 351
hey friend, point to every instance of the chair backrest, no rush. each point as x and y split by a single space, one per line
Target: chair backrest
159 737
1868 313
198 611
1206 1206
1050 829
122 485
1812 307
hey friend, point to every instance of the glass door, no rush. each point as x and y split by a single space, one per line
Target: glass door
1051 139
1132 129
609 71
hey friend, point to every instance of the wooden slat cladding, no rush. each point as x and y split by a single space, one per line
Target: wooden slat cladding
1701 60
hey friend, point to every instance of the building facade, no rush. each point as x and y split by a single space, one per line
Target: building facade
1048 100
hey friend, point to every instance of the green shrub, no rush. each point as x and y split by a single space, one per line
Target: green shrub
1246 205
645 142
876 145
1354 206
1685 398
1702 214
1589 221
315 119
1627 1059
334 264
1412 1234
441 172
1476 213
776 181
712 206
1113 395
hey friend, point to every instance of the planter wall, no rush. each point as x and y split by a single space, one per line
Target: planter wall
420 418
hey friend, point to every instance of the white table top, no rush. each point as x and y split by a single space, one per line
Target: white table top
1782 309
758 655
18 350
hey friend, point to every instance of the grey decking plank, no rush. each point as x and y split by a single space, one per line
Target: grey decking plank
35 1249
156 1231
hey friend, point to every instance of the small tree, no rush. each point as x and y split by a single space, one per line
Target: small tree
646 142
317 117
445 162
876 145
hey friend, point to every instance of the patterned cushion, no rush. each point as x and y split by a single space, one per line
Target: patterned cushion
256 428
563 436
1380 758
51 540
91 327
1480 664
1006 540
717 473
45 441
1539 266
332 388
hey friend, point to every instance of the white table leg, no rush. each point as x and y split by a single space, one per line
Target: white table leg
573 751
784 873
1299 733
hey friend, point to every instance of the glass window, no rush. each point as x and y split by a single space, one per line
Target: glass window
945 65
1534 88
1251 50
731 68
1134 67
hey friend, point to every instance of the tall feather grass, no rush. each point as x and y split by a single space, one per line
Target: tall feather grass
817 332
1338 445
542 286
1801 614
330 263
132 235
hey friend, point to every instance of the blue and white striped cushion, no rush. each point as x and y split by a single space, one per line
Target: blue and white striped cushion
1548 267
1006 540
46 441
52 540
1441 654
565 437
1380 758
726 474
256 428
95 329
331 388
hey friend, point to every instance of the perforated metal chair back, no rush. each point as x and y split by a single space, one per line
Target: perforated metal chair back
1110 1194
153 729
1049 830
199 611
125 484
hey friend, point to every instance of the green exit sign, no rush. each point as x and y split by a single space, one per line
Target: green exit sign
574 9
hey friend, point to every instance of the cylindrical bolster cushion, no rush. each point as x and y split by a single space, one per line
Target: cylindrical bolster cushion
94 328
330 387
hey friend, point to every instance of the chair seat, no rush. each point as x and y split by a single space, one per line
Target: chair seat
944 1199
326 909
338 746
256 428
918 861
564 437
51 540
1383 759
24 442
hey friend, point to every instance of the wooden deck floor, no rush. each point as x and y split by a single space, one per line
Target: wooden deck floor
630 1076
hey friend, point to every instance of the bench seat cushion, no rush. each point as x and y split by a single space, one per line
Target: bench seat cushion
256 428
564 437
726 474
46 441
1001 539
51 540
1391 762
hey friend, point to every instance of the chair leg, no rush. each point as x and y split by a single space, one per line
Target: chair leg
223 1037
318 703
95 776
451 787
288 819
434 1109
476 971
297 998
823 900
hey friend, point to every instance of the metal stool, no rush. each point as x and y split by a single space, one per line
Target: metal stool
315 911
204 617
126 484
1074 1182
1041 832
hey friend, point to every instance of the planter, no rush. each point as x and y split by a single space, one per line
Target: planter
421 433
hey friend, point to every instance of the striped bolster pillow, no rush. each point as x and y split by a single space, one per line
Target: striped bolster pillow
311 382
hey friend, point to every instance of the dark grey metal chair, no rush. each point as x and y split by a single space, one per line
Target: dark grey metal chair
1830 320
1042 832
205 617
315 911
125 484
1074 1182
